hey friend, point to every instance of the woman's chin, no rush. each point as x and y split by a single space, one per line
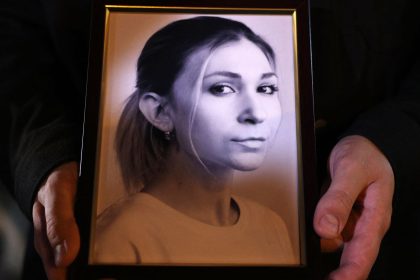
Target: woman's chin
248 162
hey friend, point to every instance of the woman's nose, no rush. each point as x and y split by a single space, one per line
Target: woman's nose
252 110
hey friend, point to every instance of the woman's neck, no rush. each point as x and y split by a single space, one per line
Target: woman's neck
188 187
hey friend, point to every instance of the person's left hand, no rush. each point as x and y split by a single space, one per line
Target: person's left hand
56 235
355 212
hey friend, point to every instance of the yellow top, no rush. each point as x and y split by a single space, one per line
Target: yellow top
143 229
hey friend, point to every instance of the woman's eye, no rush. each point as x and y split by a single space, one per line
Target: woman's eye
221 90
268 89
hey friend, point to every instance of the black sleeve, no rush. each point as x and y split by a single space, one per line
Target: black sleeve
394 126
367 78
42 73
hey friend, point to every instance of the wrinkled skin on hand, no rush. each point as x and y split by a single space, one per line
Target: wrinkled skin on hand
355 212
56 235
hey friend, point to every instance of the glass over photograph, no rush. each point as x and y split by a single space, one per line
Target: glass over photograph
198 143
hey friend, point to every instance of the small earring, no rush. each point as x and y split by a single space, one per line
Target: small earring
168 135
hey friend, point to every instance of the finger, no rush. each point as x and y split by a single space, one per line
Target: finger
335 206
359 254
361 250
62 230
331 245
348 180
42 245
57 196
41 242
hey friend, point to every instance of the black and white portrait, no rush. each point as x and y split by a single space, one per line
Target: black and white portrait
198 144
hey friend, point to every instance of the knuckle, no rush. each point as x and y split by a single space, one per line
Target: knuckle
350 166
57 229
342 199
52 226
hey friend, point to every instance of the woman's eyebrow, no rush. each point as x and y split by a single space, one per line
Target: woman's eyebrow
234 75
224 73
268 75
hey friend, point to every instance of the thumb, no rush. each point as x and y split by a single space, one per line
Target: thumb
348 181
335 206
57 196
333 211
62 232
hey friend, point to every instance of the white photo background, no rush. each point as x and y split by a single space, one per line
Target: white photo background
275 184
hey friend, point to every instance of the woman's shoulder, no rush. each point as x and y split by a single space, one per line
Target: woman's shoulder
117 229
124 212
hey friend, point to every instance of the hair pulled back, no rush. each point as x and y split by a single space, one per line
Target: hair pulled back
141 148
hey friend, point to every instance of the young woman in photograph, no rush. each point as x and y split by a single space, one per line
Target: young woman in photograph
206 104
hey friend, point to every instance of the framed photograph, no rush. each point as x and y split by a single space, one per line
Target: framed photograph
198 148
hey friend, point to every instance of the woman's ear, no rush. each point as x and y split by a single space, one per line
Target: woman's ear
154 108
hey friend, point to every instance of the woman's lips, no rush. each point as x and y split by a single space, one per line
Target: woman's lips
250 142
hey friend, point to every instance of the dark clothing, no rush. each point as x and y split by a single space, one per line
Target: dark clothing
366 82
42 69
367 76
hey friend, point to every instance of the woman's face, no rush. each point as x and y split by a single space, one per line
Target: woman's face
237 110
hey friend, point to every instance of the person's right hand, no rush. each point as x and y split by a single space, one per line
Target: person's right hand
57 238
355 212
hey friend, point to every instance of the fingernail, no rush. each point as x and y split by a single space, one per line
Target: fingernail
59 251
330 224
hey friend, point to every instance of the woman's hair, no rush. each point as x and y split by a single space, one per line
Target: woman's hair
141 148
